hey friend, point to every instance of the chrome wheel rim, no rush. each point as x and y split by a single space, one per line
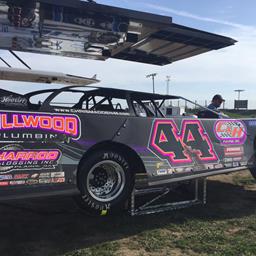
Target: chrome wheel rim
105 181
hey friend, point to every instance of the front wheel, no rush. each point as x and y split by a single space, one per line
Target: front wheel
105 181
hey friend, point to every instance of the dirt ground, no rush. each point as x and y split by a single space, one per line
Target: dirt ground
55 226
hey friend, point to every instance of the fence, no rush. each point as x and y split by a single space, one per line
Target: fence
228 104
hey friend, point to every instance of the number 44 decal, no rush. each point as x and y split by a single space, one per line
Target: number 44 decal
181 147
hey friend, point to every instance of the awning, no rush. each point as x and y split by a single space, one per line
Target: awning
94 31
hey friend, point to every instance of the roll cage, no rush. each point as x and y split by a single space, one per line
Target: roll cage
149 103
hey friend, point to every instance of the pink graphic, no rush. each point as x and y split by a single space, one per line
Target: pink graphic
233 151
230 132
171 154
162 137
29 155
190 137
204 137
182 144
63 124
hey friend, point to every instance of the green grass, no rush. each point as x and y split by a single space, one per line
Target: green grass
235 237
240 115
212 230
243 181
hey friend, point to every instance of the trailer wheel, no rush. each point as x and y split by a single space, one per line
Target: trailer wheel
105 181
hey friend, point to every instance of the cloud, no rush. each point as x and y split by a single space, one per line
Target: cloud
197 17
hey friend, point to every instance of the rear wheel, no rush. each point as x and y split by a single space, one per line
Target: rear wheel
105 181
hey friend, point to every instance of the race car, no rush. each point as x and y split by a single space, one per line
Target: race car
94 142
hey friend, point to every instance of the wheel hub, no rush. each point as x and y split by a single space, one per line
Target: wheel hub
105 181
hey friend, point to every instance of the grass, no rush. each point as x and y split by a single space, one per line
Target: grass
239 115
193 237
235 237
226 225
191 232
243 181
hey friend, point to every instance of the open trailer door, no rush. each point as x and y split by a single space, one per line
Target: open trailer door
94 31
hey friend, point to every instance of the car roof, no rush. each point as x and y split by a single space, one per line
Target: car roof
107 92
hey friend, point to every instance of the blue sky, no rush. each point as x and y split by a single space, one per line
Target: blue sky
197 78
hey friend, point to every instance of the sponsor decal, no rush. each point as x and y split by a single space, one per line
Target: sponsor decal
159 165
32 182
35 176
230 132
209 166
237 159
21 176
171 171
6 177
4 183
45 181
29 155
228 160
51 180
236 164
180 147
162 172
17 182
26 126
45 175
14 157
233 151
218 166
252 123
83 111
186 169
58 174
58 180
11 100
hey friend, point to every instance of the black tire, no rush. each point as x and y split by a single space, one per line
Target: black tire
104 171
253 160
253 172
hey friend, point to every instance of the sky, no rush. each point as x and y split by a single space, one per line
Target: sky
197 78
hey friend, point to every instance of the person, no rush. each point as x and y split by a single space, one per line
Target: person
217 100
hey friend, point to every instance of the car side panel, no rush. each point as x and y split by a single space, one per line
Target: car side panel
179 147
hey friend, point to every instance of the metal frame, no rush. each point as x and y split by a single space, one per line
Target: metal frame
150 208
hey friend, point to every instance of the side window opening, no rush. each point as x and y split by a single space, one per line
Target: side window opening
39 98
66 99
146 108
108 104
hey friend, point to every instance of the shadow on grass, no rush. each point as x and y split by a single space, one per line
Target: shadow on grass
54 226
